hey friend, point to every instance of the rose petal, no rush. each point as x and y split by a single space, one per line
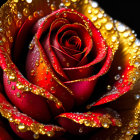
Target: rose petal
25 123
23 37
44 76
120 88
47 43
73 122
81 31
27 102
82 90
19 84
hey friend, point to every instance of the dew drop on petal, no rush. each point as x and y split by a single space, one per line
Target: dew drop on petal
119 67
108 87
81 130
109 26
94 4
137 42
121 28
36 136
29 1
137 96
117 77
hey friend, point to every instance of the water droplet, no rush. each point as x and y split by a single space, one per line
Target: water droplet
53 89
105 125
137 63
100 15
61 5
128 133
108 87
26 12
121 28
134 78
16 1
137 96
50 133
109 26
18 23
86 123
1 29
18 94
89 11
86 1
36 136
121 80
19 15
67 3
94 4
29 1
119 67
137 42
9 20
53 7
81 130
94 18
117 77
22 127
13 87
8 33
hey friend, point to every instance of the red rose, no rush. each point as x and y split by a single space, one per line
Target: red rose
59 64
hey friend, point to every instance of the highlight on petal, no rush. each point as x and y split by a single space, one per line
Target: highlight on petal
72 122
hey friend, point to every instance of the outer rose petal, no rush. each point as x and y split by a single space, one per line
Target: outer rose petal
25 123
27 102
21 85
45 77
73 122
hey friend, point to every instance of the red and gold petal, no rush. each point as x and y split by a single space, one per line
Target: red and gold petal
17 82
22 38
96 119
100 48
48 43
25 123
102 71
26 101
40 73
129 56
119 88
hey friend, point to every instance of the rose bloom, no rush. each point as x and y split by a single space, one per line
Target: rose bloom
64 67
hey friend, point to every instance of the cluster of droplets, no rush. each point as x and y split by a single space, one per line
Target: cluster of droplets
90 119
14 116
116 77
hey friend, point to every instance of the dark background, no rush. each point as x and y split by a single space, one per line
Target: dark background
126 11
